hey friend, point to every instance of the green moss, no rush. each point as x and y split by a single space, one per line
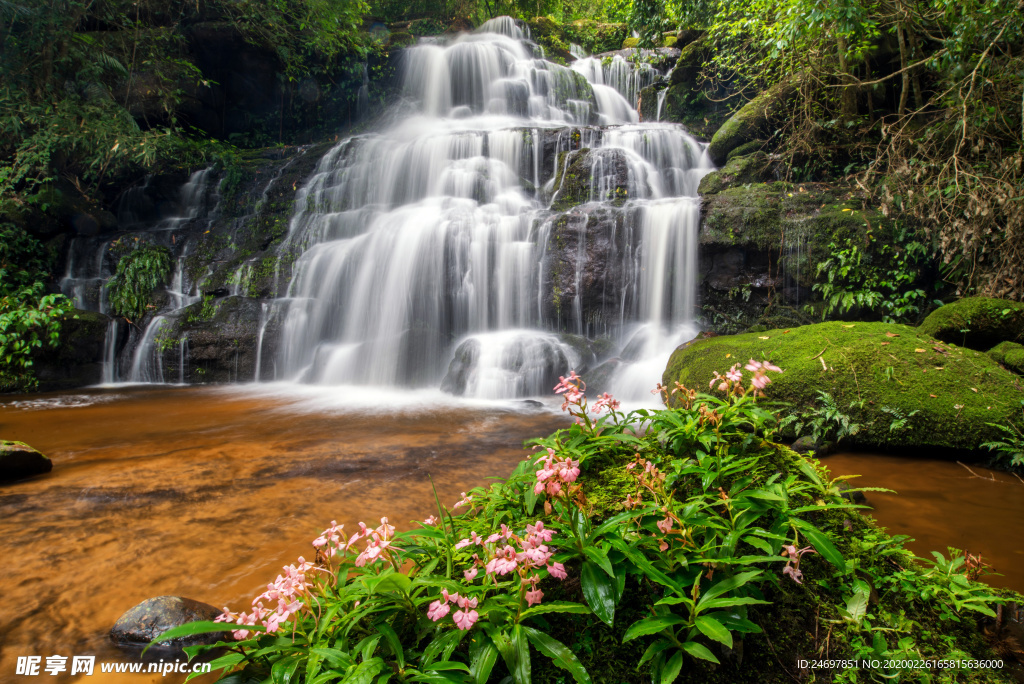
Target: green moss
630 42
740 170
977 322
750 120
1010 355
955 391
594 36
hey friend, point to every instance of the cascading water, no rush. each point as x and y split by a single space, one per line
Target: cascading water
428 251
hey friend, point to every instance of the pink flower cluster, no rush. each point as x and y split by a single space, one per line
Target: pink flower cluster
792 568
646 473
287 591
332 541
464 618
557 471
571 389
732 381
605 401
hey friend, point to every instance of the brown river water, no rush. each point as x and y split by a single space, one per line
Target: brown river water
207 492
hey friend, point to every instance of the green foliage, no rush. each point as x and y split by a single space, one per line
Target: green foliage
203 311
1010 448
28 316
882 285
826 422
138 274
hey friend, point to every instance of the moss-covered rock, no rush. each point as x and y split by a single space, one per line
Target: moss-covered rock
1010 355
740 170
893 369
977 322
700 106
577 182
595 36
751 120
18 460
151 618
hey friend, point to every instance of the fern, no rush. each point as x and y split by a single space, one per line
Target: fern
138 273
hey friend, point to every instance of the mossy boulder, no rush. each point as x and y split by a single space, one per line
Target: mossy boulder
700 106
576 181
893 369
1010 355
741 170
18 461
752 120
977 322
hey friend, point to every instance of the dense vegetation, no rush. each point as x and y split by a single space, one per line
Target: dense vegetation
673 545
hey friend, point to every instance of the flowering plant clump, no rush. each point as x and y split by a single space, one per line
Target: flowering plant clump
667 525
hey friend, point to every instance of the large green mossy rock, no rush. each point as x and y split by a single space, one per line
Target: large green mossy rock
956 391
752 120
1010 355
977 322
18 461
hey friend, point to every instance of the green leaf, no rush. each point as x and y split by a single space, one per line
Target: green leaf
821 543
651 625
727 585
713 629
599 591
554 607
671 669
201 627
393 641
394 582
600 557
559 654
483 655
699 651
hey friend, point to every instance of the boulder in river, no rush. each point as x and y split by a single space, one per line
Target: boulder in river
151 618
18 460
907 389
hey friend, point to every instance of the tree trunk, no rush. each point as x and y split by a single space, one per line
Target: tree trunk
905 89
849 95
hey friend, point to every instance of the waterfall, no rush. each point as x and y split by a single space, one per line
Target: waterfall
424 248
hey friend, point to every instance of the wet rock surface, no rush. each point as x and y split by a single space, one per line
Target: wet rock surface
151 618
19 461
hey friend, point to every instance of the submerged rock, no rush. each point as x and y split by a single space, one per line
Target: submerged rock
18 460
151 618
977 322
953 393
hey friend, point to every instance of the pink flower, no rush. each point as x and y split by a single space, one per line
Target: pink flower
769 367
467 602
557 570
734 374
470 574
473 540
753 365
432 520
663 546
534 596
438 610
537 531
503 563
464 502
464 620
760 381
665 525
605 401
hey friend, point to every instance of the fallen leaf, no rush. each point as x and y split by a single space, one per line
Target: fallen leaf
939 368
847 209
786 332
934 396
940 350
728 356
919 351
892 334
847 326
762 337
885 343
823 362
974 389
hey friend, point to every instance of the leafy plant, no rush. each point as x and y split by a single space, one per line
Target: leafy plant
138 274
1011 446
826 422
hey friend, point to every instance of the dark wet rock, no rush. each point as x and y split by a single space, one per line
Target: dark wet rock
599 379
461 367
807 444
662 58
591 175
151 618
977 322
856 497
77 361
584 274
222 336
760 244
18 461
